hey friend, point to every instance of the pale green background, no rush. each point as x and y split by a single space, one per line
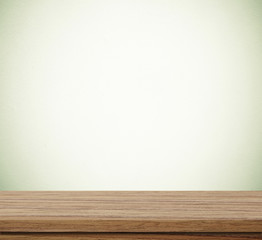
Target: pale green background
131 95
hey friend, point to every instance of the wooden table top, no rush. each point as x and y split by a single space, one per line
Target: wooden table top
131 211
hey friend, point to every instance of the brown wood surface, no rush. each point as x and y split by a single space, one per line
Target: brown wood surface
117 211
121 236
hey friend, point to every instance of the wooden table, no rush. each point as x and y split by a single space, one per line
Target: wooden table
117 215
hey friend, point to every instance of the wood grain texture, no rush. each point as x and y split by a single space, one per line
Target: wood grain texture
121 236
118 211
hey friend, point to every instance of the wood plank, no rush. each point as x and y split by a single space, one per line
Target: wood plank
131 211
102 236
